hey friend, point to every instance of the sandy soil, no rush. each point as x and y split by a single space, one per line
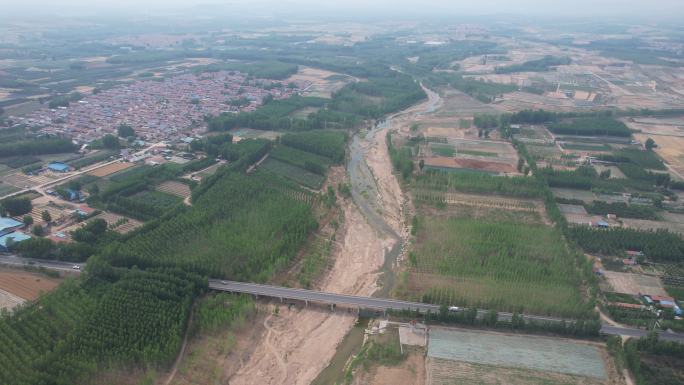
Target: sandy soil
391 196
629 283
8 300
178 189
110 169
28 286
670 148
300 342
411 371
475 164
444 372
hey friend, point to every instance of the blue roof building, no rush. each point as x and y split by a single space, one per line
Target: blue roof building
58 167
8 225
11 238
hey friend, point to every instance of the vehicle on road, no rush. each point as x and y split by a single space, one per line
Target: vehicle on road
454 309
76 267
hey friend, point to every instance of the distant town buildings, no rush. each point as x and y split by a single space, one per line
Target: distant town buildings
158 109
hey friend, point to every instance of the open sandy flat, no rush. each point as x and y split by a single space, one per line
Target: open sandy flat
629 283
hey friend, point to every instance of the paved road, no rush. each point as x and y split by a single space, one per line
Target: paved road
285 293
347 300
396 305
13 260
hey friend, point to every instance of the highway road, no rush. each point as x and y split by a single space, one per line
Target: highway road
13 260
380 304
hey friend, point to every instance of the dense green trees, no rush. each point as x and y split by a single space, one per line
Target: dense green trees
635 172
660 245
16 206
125 130
533 117
36 147
240 227
480 184
540 65
401 158
486 121
485 92
591 127
378 95
330 144
309 161
111 142
622 210
645 159
139 318
650 360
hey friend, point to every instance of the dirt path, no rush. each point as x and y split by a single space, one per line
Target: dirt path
608 320
272 349
181 354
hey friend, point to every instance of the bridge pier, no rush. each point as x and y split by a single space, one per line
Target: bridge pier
306 303
281 299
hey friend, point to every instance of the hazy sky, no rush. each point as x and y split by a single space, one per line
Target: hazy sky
671 8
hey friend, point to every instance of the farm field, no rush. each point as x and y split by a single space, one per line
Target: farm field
19 180
209 170
567 193
480 155
516 351
9 301
249 133
670 148
110 169
494 265
615 172
7 189
629 283
178 189
492 208
119 223
322 83
297 174
25 285
441 162
157 199
448 372
459 103
56 213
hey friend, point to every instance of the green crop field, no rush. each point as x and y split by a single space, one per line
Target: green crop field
477 153
442 150
298 157
297 174
496 265
157 199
